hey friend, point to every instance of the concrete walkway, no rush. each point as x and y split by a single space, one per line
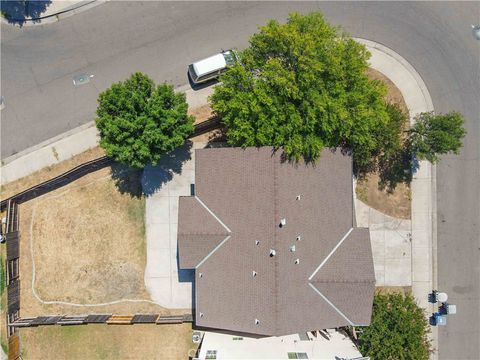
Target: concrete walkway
163 184
424 249
391 245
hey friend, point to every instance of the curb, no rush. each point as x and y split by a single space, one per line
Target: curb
53 18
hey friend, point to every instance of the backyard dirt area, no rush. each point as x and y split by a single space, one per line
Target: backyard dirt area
107 342
85 243
396 203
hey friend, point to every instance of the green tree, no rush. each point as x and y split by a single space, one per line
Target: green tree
398 330
138 121
433 135
302 86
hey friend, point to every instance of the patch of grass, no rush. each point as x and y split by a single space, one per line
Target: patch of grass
403 290
362 193
136 214
108 342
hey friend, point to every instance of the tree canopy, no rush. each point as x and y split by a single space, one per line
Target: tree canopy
138 121
433 135
398 330
303 86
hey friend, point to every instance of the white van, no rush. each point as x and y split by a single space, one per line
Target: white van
211 67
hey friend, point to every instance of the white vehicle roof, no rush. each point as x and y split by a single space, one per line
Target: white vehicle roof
212 63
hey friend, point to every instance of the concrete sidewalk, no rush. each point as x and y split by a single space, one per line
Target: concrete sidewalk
46 12
417 98
73 142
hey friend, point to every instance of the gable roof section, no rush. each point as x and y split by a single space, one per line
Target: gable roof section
200 232
340 277
242 288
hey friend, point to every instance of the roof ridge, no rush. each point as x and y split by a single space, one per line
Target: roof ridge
331 304
213 214
340 242
343 281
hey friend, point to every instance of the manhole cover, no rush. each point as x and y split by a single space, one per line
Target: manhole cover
81 79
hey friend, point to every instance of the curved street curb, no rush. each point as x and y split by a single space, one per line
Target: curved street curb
423 186
53 18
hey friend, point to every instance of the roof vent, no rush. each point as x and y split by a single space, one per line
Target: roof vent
201 314
272 253
200 275
297 261
283 222
292 248
299 197
257 321
257 242
299 238
254 273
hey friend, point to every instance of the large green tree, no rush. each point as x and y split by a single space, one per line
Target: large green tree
398 330
302 86
138 121
433 135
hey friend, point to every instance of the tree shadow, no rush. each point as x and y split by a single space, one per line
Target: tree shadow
18 12
127 180
396 169
154 177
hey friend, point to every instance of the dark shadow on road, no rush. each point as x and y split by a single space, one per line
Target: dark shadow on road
154 177
18 12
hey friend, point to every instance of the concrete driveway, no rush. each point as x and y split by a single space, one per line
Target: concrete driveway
168 286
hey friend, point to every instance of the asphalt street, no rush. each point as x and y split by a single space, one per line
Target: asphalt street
112 40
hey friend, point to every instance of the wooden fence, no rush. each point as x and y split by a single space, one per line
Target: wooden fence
12 266
109 319
86 168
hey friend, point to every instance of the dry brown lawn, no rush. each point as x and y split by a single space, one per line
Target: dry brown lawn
118 342
88 246
396 203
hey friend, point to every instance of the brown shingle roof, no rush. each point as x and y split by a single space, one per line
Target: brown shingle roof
241 197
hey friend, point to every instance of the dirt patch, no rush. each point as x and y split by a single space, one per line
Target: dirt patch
394 96
205 113
107 342
49 172
88 242
396 203
201 113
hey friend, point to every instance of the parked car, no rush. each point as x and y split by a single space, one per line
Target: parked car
211 67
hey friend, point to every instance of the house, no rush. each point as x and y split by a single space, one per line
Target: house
274 244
